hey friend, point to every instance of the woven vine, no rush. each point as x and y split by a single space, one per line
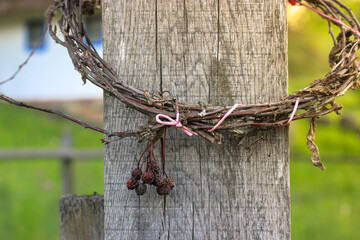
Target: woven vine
205 120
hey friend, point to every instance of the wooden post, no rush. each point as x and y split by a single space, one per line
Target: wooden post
81 217
214 51
66 163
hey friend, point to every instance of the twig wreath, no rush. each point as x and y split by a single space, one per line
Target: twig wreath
207 121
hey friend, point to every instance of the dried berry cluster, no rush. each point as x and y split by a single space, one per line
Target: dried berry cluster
151 176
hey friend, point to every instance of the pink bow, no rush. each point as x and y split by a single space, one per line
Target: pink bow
173 122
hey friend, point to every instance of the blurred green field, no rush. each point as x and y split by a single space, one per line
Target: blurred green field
29 190
324 204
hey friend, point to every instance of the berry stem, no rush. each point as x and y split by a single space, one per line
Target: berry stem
151 152
163 151
143 162
143 154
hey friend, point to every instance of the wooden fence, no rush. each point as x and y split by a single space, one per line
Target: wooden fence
80 217
65 153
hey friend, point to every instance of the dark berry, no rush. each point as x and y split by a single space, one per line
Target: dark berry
171 182
141 189
154 167
148 177
132 183
164 189
136 173
159 180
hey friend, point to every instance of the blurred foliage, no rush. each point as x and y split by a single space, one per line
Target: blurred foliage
309 45
324 205
30 190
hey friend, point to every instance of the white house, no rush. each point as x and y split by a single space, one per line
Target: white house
49 75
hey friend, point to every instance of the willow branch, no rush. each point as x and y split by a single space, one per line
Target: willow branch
27 59
51 111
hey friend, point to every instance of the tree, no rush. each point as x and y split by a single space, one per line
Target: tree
218 52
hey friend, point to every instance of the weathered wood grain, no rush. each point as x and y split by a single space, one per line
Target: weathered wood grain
218 51
81 217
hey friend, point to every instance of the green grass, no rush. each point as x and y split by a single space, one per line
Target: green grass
28 206
29 190
325 205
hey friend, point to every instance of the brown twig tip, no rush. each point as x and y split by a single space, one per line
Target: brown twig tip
27 59
315 157
51 111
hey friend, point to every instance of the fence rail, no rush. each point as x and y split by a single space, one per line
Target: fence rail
29 154
65 153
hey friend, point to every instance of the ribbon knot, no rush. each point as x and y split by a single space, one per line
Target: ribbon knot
175 123
178 124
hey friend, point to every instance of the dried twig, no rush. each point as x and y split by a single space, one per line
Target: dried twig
119 135
313 100
51 111
28 58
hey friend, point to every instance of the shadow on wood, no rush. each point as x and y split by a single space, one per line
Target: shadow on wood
81 217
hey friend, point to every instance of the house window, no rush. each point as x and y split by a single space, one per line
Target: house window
35 30
93 28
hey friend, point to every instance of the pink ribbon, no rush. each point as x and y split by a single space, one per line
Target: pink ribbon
225 116
294 111
237 105
175 123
